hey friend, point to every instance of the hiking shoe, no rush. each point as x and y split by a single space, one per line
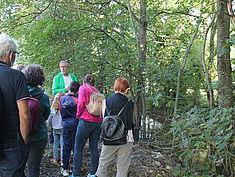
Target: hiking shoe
55 161
89 175
73 176
65 172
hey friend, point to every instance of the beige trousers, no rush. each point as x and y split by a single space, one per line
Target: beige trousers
109 153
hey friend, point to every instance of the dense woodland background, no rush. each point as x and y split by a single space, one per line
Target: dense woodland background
176 54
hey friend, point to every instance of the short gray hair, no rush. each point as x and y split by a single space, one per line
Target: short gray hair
64 61
7 44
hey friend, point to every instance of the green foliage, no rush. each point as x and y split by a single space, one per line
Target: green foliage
97 37
206 141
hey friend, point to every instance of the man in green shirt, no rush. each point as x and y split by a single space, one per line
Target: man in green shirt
62 80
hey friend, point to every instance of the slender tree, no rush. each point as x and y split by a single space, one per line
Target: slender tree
209 90
225 91
142 46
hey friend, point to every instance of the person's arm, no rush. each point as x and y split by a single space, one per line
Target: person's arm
45 102
24 119
81 101
48 110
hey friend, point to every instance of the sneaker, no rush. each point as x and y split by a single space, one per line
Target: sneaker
89 175
65 172
55 161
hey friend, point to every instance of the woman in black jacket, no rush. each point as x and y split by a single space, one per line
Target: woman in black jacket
109 152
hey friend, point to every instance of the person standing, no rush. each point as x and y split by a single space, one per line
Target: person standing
62 80
35 80
68 108
57 126
61 84
1 97
121 153
14 123
1 104
88 128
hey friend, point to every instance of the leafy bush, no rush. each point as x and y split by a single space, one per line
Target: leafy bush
206 142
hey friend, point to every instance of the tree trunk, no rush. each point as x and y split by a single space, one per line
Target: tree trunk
142 46
225 91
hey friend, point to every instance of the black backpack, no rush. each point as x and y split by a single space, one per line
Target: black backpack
113 130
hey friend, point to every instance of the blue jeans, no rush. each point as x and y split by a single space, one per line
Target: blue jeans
15 156
58 141
35 156
68 137
86 130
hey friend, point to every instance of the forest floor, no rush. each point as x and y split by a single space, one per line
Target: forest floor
147 161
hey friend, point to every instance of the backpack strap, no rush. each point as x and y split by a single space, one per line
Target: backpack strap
106 108
123 108
89 88
38 96
119 111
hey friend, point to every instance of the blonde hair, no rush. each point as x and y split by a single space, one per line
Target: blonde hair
56 101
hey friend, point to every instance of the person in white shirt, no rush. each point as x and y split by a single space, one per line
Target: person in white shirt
61 83
62 80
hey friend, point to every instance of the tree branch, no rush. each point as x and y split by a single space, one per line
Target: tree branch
171 13
230 10
184 62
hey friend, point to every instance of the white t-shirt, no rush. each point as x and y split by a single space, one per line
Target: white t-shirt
67 81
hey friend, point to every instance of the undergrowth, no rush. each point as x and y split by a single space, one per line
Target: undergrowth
206 142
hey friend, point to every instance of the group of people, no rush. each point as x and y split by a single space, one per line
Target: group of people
72 124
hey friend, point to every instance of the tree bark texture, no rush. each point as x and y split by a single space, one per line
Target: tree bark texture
142 47
225 91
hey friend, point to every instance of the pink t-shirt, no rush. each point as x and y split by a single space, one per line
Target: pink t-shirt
83 99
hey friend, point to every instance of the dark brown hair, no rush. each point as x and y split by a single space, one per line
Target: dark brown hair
34 75
74 86
121 84
89 79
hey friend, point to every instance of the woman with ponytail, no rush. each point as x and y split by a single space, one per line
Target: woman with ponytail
88 128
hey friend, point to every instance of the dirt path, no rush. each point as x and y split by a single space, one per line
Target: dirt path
146 162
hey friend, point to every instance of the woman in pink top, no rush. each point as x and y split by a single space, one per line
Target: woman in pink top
88 128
